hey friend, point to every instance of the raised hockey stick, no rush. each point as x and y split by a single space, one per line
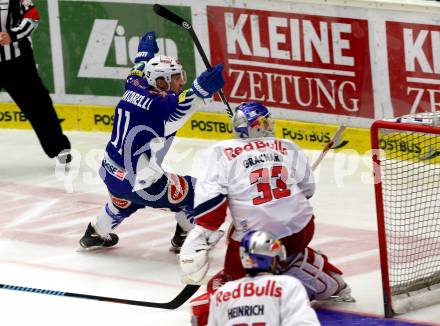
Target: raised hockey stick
333 143
179 300
172 17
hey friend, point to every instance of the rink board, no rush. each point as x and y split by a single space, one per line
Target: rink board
201 125
215 126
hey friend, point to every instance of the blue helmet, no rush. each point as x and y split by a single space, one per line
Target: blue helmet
259 251
251 120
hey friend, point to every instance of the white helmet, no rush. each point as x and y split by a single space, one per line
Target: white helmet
163 67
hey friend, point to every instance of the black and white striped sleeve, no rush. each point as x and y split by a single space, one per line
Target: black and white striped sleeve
29 21
179 114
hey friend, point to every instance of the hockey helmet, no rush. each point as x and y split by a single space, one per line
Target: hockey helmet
260 251
163 67
251 120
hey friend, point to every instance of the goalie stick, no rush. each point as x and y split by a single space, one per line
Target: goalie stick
172 17
333 143
179 300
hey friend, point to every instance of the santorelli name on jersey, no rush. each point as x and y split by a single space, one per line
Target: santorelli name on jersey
249 289
233 152
139 100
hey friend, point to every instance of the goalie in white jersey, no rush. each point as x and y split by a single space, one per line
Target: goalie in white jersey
266 183
262 298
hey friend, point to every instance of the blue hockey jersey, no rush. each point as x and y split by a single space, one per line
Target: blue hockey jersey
144 126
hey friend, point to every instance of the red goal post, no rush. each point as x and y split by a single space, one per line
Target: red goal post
406 164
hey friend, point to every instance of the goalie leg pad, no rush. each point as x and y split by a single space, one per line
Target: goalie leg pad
194 266
320 278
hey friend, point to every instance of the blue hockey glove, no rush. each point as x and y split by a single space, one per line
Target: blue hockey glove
147 47
209 82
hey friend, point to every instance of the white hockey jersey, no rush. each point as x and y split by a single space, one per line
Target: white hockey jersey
265 182
275 300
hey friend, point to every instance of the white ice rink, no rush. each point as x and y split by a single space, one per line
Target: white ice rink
41 222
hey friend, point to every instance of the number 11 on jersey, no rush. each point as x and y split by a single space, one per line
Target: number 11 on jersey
119 138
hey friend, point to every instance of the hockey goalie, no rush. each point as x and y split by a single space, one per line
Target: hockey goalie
266 183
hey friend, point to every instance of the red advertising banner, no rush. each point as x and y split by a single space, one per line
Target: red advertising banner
414 67
302 62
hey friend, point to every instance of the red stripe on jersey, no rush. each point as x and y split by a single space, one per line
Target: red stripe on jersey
32 14
214 217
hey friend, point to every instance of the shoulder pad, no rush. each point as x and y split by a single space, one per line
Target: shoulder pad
138 69
185 94
137 82
137 73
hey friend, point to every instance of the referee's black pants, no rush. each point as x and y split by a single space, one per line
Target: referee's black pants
19 77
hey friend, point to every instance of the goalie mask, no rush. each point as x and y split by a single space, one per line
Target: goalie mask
260 252
251 120
163 67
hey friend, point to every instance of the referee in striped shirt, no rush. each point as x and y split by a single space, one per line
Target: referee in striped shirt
19 76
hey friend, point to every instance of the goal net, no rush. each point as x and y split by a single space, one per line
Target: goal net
406 157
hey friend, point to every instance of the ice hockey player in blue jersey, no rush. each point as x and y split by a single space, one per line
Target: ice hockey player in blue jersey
152 109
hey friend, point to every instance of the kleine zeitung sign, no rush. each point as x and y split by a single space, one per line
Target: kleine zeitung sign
303 62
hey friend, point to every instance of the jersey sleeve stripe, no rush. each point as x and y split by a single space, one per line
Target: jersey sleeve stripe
26 27
184 105
212 213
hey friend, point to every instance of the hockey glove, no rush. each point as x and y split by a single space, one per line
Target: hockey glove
194 253
147 47
209 82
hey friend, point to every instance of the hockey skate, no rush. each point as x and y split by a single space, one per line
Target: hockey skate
65 156
178 239
92 240
343 295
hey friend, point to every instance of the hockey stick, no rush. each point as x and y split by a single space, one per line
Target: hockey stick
432 153
179 300
172 17
333 143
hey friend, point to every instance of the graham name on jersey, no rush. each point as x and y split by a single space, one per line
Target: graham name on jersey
233 152
249 289
249 310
